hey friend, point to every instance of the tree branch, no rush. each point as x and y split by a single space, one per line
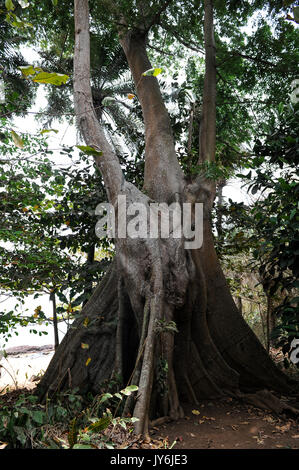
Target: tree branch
208 121
163 176
253 59
157 49
92 131
156 19
187 43
201 188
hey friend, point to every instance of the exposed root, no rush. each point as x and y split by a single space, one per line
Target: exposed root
147 371
160 421
135 376
118 365
175 410
190 390
264 399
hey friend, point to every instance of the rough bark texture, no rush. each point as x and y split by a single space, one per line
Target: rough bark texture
153 282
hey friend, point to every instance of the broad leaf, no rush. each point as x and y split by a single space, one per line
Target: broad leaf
152 72
89 150
28 70
38 416
133 419
100 425
9 5
105 397
46 131
51 78
128 390
17 140
16 22
39 76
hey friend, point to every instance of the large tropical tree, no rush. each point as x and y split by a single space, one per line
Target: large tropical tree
163 318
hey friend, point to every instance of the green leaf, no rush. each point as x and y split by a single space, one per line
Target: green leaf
89 150
39 76
296 14
105 397
51 78
17 139
38 417
109 445
123 424
28 70
293 213
128 390
9 5
55 3
153 72
16 22
100 425
133 419
46 131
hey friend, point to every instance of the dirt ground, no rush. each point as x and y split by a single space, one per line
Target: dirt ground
228 424
218 424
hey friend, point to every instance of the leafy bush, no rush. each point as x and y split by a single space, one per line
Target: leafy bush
61 423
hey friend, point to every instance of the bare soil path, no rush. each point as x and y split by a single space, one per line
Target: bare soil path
229 424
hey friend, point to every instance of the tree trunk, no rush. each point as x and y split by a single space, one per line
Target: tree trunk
89 263
154 283
55 321
214 353
219 220
270 320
